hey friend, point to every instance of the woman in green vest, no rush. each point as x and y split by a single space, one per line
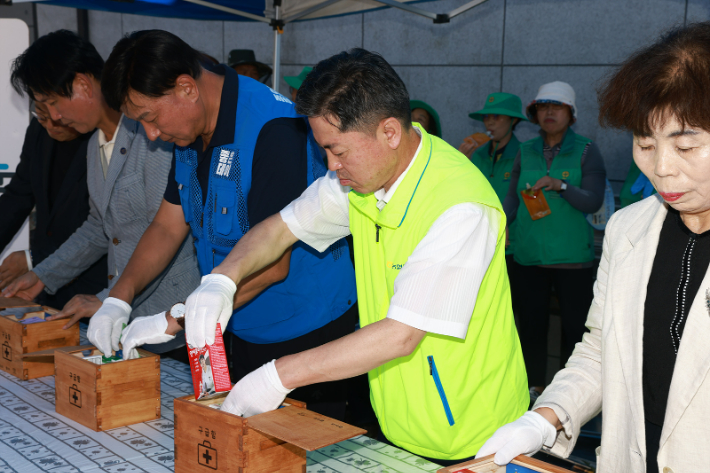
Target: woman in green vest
426 116
500 115
556 250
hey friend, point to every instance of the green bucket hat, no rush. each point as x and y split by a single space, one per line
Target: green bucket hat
500 103
425 106
296 81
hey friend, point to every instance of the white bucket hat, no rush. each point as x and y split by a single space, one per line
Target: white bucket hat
554 92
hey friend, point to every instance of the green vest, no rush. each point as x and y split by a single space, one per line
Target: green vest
498 173
564 236
482 377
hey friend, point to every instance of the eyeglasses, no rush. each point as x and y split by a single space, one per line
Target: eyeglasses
491 115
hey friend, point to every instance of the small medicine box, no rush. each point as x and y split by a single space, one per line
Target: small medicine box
24 330
207 438
108 395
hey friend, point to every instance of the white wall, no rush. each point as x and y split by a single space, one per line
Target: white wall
14 37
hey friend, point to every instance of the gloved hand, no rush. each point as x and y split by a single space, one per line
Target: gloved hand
107 323
258 392
524 436
142 330
209 304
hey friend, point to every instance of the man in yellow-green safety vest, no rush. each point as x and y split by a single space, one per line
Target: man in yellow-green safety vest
437 335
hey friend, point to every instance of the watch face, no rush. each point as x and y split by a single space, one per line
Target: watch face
178 311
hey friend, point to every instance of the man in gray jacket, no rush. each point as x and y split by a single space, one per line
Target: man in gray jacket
127 175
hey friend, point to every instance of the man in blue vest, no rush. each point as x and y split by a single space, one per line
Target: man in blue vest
241 154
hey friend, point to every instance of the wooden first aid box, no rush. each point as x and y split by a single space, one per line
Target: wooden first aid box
106 396
520 464
207 439
27 333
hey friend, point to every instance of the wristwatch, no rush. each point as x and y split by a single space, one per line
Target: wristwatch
563 186
177 312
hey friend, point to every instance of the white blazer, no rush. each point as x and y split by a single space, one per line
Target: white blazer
604 371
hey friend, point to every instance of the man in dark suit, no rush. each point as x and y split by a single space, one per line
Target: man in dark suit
51 175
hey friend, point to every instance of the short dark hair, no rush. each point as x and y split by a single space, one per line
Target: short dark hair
148 62
51 63
672 75
358 88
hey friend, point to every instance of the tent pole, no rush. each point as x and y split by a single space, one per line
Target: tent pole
277 47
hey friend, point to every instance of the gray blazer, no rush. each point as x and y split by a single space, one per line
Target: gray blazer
121 208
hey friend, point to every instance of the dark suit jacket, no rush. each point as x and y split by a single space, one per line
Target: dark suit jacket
56 221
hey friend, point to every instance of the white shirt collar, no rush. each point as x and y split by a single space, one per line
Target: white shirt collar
384 197
102 135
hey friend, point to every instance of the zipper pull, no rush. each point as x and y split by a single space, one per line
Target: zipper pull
430 359
377 234
212 259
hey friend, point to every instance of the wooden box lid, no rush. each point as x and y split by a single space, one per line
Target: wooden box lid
303 428
50 353
12 302
292 423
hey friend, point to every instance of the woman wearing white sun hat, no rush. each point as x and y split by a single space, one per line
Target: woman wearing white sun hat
558 249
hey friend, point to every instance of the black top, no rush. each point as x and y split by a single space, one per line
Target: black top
279 167
499 152
62 204
64 152
679 267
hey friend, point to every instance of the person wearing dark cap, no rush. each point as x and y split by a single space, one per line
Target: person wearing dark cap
294 82
426 116
244 62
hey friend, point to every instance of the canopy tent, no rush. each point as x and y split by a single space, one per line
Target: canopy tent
275 13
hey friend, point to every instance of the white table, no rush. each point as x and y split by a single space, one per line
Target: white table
34 438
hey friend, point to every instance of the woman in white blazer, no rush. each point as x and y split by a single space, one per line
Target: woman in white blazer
646 357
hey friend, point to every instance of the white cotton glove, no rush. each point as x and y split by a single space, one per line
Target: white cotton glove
107 323
258 392
142 330
524 436
209 304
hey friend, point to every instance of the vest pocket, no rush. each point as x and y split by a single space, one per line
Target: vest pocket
225 196
440 387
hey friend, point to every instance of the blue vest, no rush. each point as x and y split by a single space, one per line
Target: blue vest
319 287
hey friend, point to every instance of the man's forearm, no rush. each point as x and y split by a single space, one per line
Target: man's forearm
261 246
349 356
155 250
257 282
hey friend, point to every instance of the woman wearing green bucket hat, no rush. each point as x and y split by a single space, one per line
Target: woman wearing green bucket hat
426 116
294 82
500 115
